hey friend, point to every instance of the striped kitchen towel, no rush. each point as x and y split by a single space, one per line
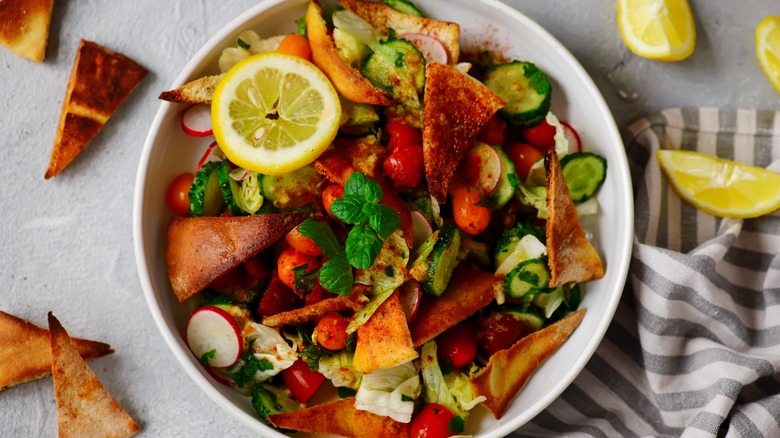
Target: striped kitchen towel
694 347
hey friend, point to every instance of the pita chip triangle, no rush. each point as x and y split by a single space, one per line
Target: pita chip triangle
84 406
25 354
24 27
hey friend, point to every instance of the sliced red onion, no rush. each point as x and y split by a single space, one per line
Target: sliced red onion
431 48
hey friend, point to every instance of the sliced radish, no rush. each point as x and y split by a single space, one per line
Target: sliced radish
481 167
410 294
431 48
196 121
206 155
422 228
219 374
214 337
575 145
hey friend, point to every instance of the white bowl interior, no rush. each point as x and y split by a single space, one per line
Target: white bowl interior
169 152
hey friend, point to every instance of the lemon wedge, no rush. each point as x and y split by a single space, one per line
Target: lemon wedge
721 187
273 113
657 29
768 49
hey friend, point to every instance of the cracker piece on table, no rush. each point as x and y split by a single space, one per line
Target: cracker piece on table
200 249
84 406
24 27
200 90
384 340
25 354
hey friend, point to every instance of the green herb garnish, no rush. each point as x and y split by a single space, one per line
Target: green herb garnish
242 44
251 365
457 424
207 356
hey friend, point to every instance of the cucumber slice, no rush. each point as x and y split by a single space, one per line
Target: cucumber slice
229 189
527 276
531 318
205 196
442 260
398 68
404 6
505 189
291 190
525 89
584 172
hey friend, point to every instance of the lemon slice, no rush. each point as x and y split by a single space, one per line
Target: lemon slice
721 187
273 113
768 49
657 29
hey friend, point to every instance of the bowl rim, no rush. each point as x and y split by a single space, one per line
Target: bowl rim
620 265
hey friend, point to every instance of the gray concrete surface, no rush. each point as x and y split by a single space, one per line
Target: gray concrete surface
66 244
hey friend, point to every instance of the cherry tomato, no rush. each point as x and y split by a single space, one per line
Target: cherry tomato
523 155
178 196
297 45
542 135
468 215
256 268
498 331
401 135
331 331
330 194
494 132
302 243
458 345
290 259
405 167
433 421
236 278
278 298
301 380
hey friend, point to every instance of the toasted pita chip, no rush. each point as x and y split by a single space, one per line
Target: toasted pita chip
384 17
84 406
384 340
508 370
24 27
340 418
570 256
99 83
315 311
348 81
457 107
200 249
198 91
470 289
25 354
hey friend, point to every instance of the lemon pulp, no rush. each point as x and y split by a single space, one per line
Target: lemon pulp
721 187
657 29
273 113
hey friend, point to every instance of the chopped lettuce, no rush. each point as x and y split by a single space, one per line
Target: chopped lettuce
338 369
529 247
268 345
249 197
384 276
453 392
248 43
360 29
550 301
390 392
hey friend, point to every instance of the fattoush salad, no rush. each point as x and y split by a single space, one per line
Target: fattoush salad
384 232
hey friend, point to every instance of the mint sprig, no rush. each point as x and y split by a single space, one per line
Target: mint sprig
336 274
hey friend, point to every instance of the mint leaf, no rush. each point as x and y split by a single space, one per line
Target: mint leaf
363 245
348 209
356 184
336 275
322 235
372 191
384 220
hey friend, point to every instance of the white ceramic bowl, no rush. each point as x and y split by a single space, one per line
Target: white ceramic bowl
168 152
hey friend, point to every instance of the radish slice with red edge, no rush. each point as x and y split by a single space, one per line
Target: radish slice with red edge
219 374
421 227
196 121
214 337
206 155
410 294
431 48
575 145
481 167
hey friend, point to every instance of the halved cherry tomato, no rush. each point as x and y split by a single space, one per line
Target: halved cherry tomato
331 331
301 380
290 259
457 346
178 196
494 132
433 421
256 268
498 331
405 166
401 135
523 155
330 194
297 45
469 216
302 243
278 298
542 135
